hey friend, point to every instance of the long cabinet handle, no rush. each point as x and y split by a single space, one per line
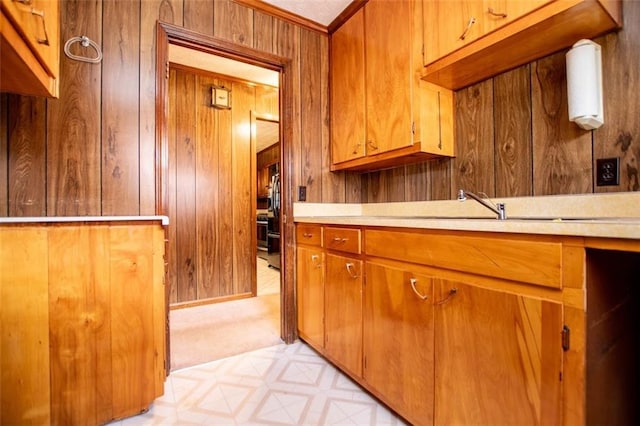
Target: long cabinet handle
339 240
472 21
491 12
413 282
452 293
307 235
40 13
351 270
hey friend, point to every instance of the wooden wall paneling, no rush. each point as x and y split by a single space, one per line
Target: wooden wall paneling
233 22
386 186
80 331
73 121
207 164
24 397
354 187
4 154
120 108
172 188
185 194
512 123
562 152
310 116
439 176
286 39
267 100
133 346
198 15
333 184
27 169
620 134
150 12
243 161
227 120
262 32
473 167
416 185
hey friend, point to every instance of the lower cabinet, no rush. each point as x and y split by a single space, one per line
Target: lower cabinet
438 344
498 357
398 340
310 295
343 312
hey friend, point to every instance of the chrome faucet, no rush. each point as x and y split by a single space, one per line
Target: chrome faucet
499 209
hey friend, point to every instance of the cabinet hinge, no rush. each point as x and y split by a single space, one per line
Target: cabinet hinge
166 70
566 338
413 127
364 362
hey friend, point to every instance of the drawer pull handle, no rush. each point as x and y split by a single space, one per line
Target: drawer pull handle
491 12
339 240
307 235
413 282
372 145
40 13
351 271
472 21
452 293
315 261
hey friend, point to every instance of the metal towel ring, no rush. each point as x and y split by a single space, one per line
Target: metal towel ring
85 42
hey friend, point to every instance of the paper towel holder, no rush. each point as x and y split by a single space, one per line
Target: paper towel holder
584 84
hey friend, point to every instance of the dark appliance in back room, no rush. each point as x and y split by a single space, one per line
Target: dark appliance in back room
273 214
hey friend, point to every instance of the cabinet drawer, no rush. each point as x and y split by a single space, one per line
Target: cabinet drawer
309 234
529 261
342 239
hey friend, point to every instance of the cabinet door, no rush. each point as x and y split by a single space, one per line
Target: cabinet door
389 74
398 339
449 25
37 21
501 12
310 297
343 312
347 90
498 357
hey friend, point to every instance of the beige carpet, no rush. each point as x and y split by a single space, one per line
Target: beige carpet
211 332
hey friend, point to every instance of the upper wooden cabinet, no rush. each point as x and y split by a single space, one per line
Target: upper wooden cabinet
382 114
467 41
29 47
461 22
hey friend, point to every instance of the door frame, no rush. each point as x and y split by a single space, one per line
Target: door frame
171 34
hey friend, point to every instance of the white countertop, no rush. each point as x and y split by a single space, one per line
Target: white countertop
80 219
613 215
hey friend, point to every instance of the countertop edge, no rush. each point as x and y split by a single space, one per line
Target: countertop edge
80 219
597 229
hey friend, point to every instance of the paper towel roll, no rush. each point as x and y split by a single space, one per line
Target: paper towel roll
584 84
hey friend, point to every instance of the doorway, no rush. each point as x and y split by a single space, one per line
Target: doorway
170 35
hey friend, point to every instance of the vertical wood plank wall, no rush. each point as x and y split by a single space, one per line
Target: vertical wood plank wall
91 152
212 195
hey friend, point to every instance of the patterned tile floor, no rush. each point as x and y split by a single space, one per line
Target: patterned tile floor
279 385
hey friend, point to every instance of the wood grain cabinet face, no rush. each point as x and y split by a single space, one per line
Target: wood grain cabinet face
348 90
398 339
468 41
343 312
30 47
450 25
310 295
498 357
83 311
382 115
